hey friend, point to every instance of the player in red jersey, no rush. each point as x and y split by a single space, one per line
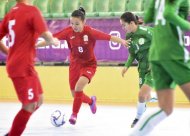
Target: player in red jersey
81 40
24 24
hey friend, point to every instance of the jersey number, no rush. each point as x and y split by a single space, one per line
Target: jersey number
160 6
11 33
80 49
30 94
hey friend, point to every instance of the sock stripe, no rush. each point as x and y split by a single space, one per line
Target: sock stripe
146 122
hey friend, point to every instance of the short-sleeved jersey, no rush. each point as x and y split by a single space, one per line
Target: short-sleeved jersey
23 24
139 48
169 19
81 44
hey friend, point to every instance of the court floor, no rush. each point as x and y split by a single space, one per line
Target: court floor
108 121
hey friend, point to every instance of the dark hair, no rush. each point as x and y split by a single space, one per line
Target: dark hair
128 17
79 13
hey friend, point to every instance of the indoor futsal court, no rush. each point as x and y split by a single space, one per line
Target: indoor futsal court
108 121
117 96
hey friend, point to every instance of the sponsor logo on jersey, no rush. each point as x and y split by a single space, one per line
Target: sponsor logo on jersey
89 72
72 37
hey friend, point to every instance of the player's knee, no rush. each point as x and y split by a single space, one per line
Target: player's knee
40 102
141 99
31 107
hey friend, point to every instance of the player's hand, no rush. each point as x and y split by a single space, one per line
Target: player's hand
124 70
126 42
56 42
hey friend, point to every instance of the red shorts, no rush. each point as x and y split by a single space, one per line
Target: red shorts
76 71
28 88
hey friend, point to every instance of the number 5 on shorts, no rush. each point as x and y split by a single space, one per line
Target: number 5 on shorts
30 94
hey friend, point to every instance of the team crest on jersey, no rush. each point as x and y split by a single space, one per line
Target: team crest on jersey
141 41
85 38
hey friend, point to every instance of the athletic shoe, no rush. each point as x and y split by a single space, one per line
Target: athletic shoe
93 105
7 134
73 119
134 122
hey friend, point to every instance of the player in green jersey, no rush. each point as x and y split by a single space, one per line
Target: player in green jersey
168 56
141 37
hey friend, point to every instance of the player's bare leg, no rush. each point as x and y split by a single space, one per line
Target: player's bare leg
147 124
24 113
80 97
186 89
144 96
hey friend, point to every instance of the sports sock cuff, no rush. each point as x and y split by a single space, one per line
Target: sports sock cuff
79 94
154 119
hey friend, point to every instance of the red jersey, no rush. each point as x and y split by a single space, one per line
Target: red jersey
81 44
24 24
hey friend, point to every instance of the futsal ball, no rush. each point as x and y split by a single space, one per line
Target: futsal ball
57 118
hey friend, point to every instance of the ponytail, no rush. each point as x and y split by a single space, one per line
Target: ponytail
80 13
139 21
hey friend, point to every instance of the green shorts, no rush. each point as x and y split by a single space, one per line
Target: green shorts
145 78
168 73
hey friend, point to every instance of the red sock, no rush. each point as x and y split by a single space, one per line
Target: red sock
86 99
19 123
77 102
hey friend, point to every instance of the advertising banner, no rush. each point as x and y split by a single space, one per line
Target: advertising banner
105 51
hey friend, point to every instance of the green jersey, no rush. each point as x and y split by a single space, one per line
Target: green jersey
139 48
169 19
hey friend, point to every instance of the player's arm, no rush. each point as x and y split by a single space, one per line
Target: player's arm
171 16
99 35
121 41
129 62
61 35
3 48
132 55
40 27
48 40
149 13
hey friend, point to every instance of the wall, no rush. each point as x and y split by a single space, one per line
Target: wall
107 85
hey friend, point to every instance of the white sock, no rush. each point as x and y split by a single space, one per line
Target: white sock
147 124
141 107
154 97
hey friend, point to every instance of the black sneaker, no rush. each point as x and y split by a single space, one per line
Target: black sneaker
7 134
134 122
